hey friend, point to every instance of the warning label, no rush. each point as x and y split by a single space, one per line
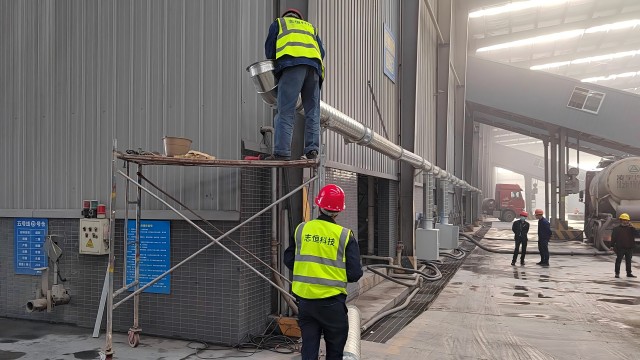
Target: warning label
90 244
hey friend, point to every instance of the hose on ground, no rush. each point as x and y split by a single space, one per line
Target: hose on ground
460 254
428 277
500 251
380 316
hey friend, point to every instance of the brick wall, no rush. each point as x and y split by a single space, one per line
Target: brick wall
214 297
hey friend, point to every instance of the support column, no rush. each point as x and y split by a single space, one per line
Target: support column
562 166
528 189
553 215
410 11
546 178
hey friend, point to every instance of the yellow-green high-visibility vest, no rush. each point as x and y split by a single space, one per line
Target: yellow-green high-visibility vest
320 262
297 38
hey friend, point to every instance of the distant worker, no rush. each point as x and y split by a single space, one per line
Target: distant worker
544 234
623 242
324 256
295 46
520 229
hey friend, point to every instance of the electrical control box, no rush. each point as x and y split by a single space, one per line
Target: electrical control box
94 236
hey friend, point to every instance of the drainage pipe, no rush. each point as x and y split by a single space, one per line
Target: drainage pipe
503 251
352 347
353 131
389 259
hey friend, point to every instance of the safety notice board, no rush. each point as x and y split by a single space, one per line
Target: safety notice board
30 234
155 254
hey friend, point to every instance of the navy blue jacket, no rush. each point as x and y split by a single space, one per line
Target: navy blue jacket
544 229
288 61
352 255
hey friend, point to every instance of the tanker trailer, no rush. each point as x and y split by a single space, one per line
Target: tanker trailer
610 192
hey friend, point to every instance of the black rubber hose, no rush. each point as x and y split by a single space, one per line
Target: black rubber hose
570 253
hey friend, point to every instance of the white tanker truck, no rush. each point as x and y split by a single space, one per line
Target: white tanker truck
608 193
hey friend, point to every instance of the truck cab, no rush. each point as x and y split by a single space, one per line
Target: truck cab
508 202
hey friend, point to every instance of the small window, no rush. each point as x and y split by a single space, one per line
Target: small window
586 100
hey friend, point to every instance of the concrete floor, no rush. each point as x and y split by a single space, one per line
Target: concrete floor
574 309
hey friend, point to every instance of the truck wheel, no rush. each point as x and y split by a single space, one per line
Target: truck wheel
508 216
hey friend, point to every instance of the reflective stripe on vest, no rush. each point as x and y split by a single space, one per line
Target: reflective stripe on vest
320 264
297 38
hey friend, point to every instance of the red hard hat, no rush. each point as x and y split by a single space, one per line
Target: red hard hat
293 11
331 197
524 213
539 212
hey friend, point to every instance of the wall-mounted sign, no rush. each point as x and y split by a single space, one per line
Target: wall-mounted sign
30 235
389 54
155 251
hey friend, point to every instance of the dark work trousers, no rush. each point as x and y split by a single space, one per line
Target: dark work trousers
627 253
524 250
327 317
543 247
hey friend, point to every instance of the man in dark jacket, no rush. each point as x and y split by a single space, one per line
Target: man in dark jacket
622 242
295 46
324 257
520 229
544 234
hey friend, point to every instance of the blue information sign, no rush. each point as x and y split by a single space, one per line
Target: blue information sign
154 254
389 56
30 235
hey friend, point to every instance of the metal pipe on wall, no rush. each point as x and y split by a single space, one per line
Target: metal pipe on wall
352 130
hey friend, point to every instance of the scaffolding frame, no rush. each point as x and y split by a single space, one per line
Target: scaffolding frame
143 160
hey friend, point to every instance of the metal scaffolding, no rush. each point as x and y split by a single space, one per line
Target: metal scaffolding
154 160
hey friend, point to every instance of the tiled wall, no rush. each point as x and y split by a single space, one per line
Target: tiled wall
213 297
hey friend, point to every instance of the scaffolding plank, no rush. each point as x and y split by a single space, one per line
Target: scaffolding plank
167 160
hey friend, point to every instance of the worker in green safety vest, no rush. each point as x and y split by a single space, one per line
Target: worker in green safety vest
295 46
324 257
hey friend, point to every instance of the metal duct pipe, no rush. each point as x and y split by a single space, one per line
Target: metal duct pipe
38 305
352 130
352 347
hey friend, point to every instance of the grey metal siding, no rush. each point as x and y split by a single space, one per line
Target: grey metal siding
353 34
426 92
75 75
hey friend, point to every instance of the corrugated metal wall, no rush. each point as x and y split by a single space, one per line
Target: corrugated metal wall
76 74
353 34
425 141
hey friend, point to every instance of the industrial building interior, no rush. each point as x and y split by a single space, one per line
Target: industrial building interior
442 120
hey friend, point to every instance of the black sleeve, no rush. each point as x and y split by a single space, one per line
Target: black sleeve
513 227
290 254
614 236
352 254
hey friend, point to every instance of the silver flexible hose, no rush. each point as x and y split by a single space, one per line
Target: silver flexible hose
380 316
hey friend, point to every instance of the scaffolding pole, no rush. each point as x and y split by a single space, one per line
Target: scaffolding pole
134 332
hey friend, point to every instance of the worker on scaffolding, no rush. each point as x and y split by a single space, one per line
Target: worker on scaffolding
324 257
295 46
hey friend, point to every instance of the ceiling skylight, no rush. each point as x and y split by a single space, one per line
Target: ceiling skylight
515 6
562 35
586 60
611 77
